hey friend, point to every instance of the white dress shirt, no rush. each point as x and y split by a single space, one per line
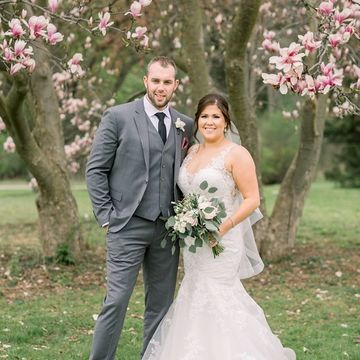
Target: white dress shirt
151 110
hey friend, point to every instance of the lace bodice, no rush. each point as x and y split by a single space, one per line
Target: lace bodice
239 243
216 174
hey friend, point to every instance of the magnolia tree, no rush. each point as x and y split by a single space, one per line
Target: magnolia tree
235 42
319 65
42 57
318 62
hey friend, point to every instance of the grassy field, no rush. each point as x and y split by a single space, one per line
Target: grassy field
311 298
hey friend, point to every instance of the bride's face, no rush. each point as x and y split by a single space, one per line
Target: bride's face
212 123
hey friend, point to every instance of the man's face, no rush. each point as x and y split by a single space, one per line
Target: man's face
160 84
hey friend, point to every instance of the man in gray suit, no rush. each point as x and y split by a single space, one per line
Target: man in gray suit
131 178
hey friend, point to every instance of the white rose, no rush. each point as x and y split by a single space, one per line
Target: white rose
180 225
210 215
179 124
191 217
203 205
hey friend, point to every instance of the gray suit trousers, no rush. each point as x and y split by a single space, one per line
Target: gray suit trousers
138 243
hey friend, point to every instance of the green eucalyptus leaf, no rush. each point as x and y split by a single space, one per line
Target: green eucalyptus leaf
212 190
198 242
210 226
192 248
163 243
204 185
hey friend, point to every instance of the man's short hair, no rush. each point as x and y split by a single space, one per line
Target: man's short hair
164 62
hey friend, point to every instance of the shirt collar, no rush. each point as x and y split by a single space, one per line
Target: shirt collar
151 110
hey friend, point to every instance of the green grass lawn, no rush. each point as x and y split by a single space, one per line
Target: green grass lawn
311 298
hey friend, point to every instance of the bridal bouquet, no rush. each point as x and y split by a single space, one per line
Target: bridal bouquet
196 221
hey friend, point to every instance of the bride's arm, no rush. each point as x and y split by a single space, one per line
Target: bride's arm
242 168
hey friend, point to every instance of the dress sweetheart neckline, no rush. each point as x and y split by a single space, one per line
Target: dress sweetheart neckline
209 163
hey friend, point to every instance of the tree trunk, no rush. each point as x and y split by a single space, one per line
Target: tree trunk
194 51
237 80
39 141
280 234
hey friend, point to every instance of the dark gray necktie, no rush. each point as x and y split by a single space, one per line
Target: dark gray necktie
161 126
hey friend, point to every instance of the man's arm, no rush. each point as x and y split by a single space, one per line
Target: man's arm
99 166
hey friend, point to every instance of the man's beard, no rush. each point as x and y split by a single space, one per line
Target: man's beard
152 98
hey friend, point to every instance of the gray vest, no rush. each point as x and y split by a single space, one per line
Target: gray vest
160 188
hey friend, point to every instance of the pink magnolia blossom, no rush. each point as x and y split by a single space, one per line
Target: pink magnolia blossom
53 5
346 33
15 29
268 44
19 48
104 22
311 86
30 64
309 43
356 70
144 41
53 37
331 77
74 167
8 54
2 125
219 19
139 32
326 8
341 16
85 126
33 184
335 40
288 57
9 145
14 68
135 9
343 109
278 80
145 2
269 34
265 7
37 25
74 63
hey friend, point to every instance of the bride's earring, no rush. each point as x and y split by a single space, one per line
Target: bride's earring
225 130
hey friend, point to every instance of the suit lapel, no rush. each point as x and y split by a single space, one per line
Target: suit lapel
143 130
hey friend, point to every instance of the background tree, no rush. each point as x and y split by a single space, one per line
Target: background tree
30 108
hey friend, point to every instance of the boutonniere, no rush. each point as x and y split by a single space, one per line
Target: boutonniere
179 124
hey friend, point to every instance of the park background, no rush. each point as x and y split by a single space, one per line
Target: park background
51 289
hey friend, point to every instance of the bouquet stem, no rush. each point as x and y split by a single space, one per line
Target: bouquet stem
217 250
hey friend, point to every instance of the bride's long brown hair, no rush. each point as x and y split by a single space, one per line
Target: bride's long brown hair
212 99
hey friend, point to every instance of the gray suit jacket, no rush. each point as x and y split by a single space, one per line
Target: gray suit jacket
118 167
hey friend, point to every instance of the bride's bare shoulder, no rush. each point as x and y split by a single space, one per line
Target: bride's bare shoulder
239 154
193 148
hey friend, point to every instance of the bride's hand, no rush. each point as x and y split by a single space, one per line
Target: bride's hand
212 240
227 225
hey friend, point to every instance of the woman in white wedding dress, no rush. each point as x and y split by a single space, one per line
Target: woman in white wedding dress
213 317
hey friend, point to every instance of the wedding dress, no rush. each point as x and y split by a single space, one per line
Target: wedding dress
213 317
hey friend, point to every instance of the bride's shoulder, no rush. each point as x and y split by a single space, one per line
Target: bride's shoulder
239 154
193 149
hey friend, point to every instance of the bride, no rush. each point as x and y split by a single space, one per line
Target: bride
213 317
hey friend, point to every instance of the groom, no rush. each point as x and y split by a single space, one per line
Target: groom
131 178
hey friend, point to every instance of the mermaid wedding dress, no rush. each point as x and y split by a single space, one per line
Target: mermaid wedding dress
213 317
